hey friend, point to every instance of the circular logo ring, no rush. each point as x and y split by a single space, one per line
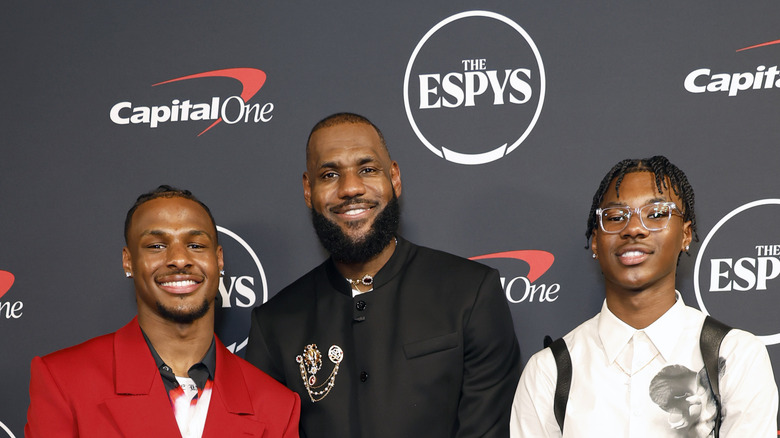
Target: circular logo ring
767 339
252 254
495 154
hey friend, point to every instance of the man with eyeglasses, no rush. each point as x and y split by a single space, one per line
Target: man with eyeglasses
637 367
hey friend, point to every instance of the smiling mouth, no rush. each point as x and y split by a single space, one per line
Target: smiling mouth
179 287
178 283
355 212
354 208
635 257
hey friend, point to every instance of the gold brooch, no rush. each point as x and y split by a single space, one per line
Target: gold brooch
310 362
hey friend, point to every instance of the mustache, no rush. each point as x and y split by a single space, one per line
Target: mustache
175 272
352 201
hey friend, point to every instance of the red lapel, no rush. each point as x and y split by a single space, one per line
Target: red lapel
231 412
141 406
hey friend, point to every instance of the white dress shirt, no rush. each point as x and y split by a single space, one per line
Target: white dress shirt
647 383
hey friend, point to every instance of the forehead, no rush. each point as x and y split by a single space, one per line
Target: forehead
170 214
639 188
338 142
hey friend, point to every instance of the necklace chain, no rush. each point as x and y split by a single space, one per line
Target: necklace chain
367 280
310 362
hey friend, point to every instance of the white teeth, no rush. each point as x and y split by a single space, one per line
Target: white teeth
354 212
632 254
178 283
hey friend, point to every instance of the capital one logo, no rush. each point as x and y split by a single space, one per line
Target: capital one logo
242 288
231 110
8 309
474 87
737 270
761 77
520 289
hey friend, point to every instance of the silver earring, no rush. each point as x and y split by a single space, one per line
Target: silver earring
687 247
595 256
128 275
221 272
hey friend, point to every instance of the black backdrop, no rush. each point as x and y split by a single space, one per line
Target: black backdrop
592 84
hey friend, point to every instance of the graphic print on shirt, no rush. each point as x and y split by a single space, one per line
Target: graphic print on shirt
190 406
687 397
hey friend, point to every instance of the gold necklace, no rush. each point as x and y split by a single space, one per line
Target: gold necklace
367 280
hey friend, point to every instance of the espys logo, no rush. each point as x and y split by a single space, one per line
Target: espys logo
520 289
242 288
6 430
737 271
703 80
231 110
8 310
474 87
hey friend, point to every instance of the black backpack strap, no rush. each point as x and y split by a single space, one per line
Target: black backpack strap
563 384
712 334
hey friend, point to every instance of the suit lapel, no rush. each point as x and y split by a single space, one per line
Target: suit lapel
231 412
141 406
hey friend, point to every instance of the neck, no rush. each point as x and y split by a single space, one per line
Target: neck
370 267
640 309
179 345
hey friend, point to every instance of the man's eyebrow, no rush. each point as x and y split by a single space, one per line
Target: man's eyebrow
360 162
201 233
160 233
153 233
366 160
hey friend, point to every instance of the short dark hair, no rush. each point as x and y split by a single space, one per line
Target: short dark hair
165 191
662 168
340 119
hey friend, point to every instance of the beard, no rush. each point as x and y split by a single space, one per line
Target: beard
348 250
183 315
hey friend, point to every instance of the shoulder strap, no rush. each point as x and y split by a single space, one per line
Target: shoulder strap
712 334
563 384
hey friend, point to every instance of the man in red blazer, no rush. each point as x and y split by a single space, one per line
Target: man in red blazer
165 374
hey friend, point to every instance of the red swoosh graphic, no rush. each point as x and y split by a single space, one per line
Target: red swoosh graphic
539 261
251 79
768 43
6 281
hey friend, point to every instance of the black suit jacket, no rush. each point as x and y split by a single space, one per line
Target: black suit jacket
430 352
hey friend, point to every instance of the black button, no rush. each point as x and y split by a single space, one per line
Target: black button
360 305
363 376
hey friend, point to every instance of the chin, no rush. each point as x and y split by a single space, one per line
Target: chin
184 314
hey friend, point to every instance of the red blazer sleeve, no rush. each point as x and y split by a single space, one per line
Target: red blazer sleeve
49 414
291 431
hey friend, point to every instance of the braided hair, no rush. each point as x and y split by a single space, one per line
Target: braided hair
662 168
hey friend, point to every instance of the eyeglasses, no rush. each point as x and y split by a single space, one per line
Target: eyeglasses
654 217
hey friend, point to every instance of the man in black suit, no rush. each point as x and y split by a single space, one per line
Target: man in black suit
385 338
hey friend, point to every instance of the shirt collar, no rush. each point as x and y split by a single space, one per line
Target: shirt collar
199 372
615 334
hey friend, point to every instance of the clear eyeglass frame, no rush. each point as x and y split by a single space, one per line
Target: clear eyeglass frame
653 217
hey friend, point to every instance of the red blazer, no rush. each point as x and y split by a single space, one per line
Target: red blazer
109 386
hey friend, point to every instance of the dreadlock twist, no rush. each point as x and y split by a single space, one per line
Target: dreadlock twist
663 169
